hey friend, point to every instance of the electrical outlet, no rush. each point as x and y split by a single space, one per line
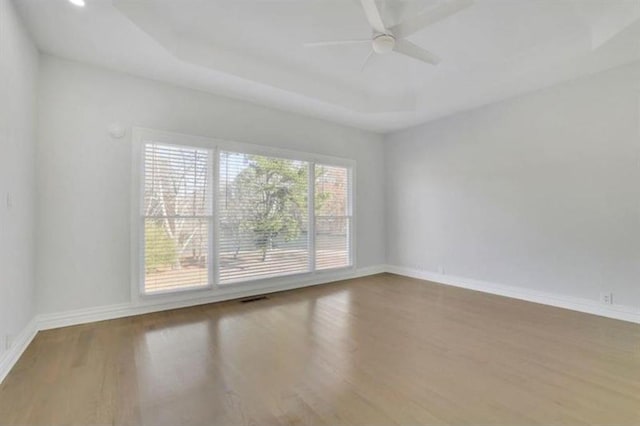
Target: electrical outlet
606 298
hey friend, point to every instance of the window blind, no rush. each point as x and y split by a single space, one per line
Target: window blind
263 217
177 217
332 217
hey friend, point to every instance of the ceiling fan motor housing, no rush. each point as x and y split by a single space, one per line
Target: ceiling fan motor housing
384 43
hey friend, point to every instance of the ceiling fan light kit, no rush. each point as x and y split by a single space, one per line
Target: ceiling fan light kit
386 40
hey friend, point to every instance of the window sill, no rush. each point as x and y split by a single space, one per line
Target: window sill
288 281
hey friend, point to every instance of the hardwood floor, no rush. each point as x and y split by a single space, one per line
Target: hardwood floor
380 350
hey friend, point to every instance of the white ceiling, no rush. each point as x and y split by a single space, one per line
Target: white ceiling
253 50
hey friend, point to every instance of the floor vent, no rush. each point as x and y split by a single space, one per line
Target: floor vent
254 299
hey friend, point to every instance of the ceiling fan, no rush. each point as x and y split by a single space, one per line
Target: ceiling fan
386 40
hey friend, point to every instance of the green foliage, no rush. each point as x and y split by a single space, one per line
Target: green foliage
320 197
160 249
275 193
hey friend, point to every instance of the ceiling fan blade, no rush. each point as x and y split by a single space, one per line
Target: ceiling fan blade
429 17
334 43
373 15
366 61
409 49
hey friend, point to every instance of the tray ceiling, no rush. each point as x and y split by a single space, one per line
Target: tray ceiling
254 50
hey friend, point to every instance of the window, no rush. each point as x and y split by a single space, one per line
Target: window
263 216
177 217
217 217
332 217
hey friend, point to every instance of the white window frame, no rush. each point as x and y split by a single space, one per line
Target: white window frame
140 136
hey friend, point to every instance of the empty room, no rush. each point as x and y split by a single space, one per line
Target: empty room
319 212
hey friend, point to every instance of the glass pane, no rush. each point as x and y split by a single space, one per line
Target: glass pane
176 181
332 242
333 220
263 217
176 253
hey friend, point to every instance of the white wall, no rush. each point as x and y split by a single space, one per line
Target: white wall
18 78
540 192
84 180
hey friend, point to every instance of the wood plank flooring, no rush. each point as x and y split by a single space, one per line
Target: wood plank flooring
380 350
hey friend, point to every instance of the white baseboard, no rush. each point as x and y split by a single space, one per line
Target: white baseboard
619 312
9 357
102 313
82 316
